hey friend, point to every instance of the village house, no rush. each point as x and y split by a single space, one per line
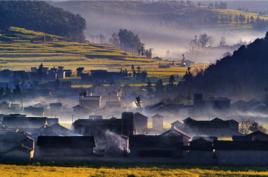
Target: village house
15 146
212 128
52 130
104 76
241 152
200 151
87 103
23 122
140 123
60 148
34 110
179 134
157 124
93 127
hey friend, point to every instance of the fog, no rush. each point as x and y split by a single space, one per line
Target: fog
167 38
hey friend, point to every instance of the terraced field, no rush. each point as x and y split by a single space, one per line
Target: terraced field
24 49
52 171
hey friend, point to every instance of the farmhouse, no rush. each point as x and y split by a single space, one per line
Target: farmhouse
64 147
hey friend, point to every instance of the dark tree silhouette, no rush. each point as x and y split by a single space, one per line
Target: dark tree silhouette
242 74
40 16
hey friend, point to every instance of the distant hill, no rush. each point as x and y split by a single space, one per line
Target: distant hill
242 75
41 16
168 26
163 12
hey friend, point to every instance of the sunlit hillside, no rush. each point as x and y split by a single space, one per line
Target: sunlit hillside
22 49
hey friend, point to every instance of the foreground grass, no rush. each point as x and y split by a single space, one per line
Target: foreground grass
127 170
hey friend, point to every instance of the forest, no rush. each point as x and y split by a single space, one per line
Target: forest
40 16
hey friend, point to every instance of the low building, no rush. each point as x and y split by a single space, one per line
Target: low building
64 147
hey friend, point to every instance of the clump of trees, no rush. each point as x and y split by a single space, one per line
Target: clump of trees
129 41
218 5
40 16
249 126
202 41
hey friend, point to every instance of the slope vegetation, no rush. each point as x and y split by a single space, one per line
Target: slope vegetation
41 16
21 49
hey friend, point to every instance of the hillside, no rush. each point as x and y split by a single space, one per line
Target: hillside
21 49
241 75
168 26
40 16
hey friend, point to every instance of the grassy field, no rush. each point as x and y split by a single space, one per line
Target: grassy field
25 49
128 171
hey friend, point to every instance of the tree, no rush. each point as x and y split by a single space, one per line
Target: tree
114 40
149 86
159 86
17 90
222 42
129 41
148 53
248 126
138 69
171 81
204 40
41 16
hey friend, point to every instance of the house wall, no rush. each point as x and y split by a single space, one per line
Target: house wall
242 157
155 152
57 154
16 155
199 157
